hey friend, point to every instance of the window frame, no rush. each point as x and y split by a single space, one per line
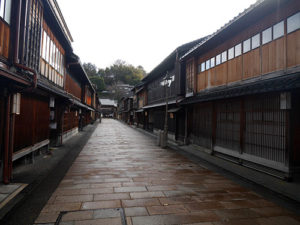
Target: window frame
288 20
271 35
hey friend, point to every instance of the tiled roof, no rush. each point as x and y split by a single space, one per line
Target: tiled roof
282 83
239 16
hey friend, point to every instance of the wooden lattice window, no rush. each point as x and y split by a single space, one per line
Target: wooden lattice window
190 78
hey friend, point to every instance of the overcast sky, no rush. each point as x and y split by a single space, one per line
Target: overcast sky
142 32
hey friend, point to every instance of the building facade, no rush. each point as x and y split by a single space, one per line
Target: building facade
45 94
235 93
242 89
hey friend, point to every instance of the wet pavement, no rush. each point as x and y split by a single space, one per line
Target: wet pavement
122 177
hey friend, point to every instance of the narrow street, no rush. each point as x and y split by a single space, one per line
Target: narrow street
122 173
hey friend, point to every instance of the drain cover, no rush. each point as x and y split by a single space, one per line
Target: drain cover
65 216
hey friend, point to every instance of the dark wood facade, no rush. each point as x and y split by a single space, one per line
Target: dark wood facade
44 89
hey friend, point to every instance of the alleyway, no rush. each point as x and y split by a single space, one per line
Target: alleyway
122 172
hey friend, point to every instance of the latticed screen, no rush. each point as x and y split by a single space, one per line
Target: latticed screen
33 28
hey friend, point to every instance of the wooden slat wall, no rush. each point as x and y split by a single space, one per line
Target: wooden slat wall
235 72
277 55
72 87
71 120
293 49
202 124
32 125
4 39
273 56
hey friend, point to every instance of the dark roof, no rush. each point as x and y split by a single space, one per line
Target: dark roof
282 83
169 61
255 12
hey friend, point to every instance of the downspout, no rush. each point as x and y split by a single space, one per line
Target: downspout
17 46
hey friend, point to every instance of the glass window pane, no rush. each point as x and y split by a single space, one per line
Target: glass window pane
231 53
208 64
212 62
44 49
293 23
246 46
202 67
2 8
218 59
224 56
267 35
48 49
278 30
238 50
255 41
7 10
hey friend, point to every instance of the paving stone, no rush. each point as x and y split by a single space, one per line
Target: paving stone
61 207
74 198
8 188
101 204
203 205
205 216
130 189
110 221
279 220
236 213
149 194
136 211
98 197
96 190
3 196
140 202
121 167
106 213
161 188
176 200
170 209
106 185
271 211
47 217
238 222
78 215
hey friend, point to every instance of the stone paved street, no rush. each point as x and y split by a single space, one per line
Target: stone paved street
122 168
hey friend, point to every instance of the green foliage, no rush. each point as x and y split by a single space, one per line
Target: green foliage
99 82
90 69
119 72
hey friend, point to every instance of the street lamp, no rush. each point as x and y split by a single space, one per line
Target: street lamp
166 82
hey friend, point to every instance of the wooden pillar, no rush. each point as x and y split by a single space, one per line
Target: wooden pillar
242 125
6 175
186 126
214 126
11 142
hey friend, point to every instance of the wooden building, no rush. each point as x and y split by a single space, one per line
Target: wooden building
242 89
44 91
108 108
153 94
139 101
126 112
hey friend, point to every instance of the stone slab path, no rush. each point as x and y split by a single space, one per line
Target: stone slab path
122 177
